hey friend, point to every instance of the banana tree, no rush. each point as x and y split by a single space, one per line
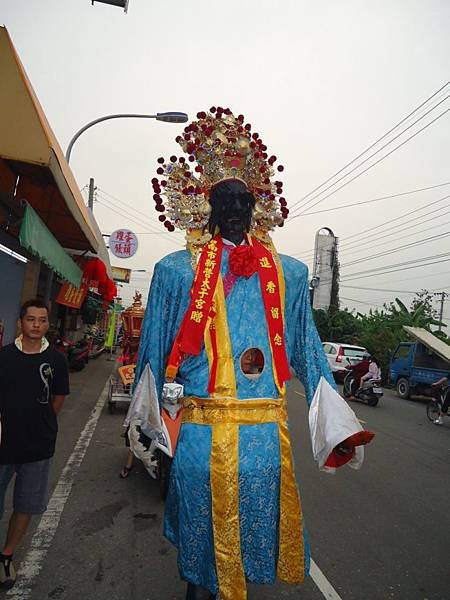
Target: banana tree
417 316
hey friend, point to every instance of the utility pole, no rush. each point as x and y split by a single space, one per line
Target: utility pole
443 296
91 195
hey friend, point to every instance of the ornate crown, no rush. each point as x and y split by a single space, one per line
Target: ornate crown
223 148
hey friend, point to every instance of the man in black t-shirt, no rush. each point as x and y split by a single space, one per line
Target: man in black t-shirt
34 381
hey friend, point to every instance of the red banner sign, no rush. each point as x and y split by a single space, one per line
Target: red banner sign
71 296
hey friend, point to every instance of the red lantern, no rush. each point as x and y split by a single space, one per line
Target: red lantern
108 290
95 270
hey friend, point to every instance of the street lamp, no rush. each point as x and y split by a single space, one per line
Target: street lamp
167 117
121 3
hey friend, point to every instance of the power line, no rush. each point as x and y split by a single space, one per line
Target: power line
357 287
421 277
395 228
372 155
369 147
122 212
363 244
431 187
380 290
124 206
397 249
408 262
148 221
373 164
344 243
379 270
361 301
351 250
130 218
130 206
398 219
373 274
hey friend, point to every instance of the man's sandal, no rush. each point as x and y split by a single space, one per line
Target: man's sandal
125 472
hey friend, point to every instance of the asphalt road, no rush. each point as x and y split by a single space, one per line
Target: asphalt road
376 534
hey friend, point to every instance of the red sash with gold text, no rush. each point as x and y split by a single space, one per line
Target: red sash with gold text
271 293
191 333
189 339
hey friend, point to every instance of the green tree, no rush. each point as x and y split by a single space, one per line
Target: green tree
426 299
339 326
379 336
420 314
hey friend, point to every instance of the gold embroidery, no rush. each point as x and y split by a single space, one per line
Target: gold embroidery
225 509
225 378
225 415
271 287
197 316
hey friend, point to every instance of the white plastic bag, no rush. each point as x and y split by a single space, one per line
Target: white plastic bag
145 412
331 421
144 404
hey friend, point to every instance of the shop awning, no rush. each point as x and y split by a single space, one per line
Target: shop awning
37 239
32 164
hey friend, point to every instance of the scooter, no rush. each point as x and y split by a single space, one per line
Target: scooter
77 354
96 345
370 391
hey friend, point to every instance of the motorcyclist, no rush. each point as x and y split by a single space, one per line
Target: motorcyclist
373 372
358 371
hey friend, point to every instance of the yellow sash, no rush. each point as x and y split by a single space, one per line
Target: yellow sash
225 415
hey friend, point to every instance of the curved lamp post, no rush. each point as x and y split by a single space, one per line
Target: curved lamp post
168 117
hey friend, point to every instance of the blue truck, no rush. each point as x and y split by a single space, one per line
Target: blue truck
417 364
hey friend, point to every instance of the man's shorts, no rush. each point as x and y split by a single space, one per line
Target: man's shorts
30 486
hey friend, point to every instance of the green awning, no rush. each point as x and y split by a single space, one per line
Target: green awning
35 237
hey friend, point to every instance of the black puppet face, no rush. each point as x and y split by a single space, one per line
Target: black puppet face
232 205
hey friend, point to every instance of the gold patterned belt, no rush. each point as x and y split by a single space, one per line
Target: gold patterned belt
225 415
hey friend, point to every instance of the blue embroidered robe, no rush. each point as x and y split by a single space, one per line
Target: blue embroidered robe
188 507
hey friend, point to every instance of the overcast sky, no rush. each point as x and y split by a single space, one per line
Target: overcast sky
320 81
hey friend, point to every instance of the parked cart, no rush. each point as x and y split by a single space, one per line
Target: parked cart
118 393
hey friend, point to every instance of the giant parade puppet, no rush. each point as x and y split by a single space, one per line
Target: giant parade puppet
230 320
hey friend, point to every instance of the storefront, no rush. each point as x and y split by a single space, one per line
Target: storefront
44 222
12 269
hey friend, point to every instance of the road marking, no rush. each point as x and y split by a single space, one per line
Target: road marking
45 532
316 574
322 583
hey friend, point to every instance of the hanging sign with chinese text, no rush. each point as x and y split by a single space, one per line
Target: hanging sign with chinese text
121 274
71 296
123 243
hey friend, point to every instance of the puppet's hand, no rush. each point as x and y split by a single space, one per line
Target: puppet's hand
343 449
357 439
